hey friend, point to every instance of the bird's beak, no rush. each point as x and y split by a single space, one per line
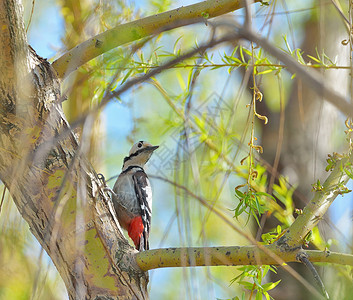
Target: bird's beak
152 148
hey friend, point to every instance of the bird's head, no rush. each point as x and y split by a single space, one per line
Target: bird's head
139 154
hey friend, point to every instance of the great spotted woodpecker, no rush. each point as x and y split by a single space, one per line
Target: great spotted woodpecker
133 195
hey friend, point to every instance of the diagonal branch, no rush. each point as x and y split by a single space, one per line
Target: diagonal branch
303 257
317 207
132 31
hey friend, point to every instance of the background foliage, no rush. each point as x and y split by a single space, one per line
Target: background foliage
201 113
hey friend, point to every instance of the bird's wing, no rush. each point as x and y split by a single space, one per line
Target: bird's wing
144 196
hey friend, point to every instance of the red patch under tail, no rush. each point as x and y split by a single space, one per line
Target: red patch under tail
135 231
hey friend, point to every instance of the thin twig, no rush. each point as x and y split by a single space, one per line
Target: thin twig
2 198
339 10
30 17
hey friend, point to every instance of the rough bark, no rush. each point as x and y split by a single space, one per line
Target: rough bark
55 189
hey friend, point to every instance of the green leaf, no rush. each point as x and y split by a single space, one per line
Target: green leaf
246 284
126 76
256 219
265 72
266 195
239 194
258 206
313 58
265 270
349 173
258 295
189 79
176 44
271 285
241 54
247 51
235 59
235 51
287 45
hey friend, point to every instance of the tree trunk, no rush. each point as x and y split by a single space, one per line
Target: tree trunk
55 189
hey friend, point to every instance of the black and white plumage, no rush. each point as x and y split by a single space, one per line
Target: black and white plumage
133 195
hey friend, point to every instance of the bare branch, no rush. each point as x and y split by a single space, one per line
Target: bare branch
206 256
330 257
230 256
235 256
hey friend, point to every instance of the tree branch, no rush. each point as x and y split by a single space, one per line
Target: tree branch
230 256
303 257
129 32
317 207
330 257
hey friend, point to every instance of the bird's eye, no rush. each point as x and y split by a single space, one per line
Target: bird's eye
140 144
